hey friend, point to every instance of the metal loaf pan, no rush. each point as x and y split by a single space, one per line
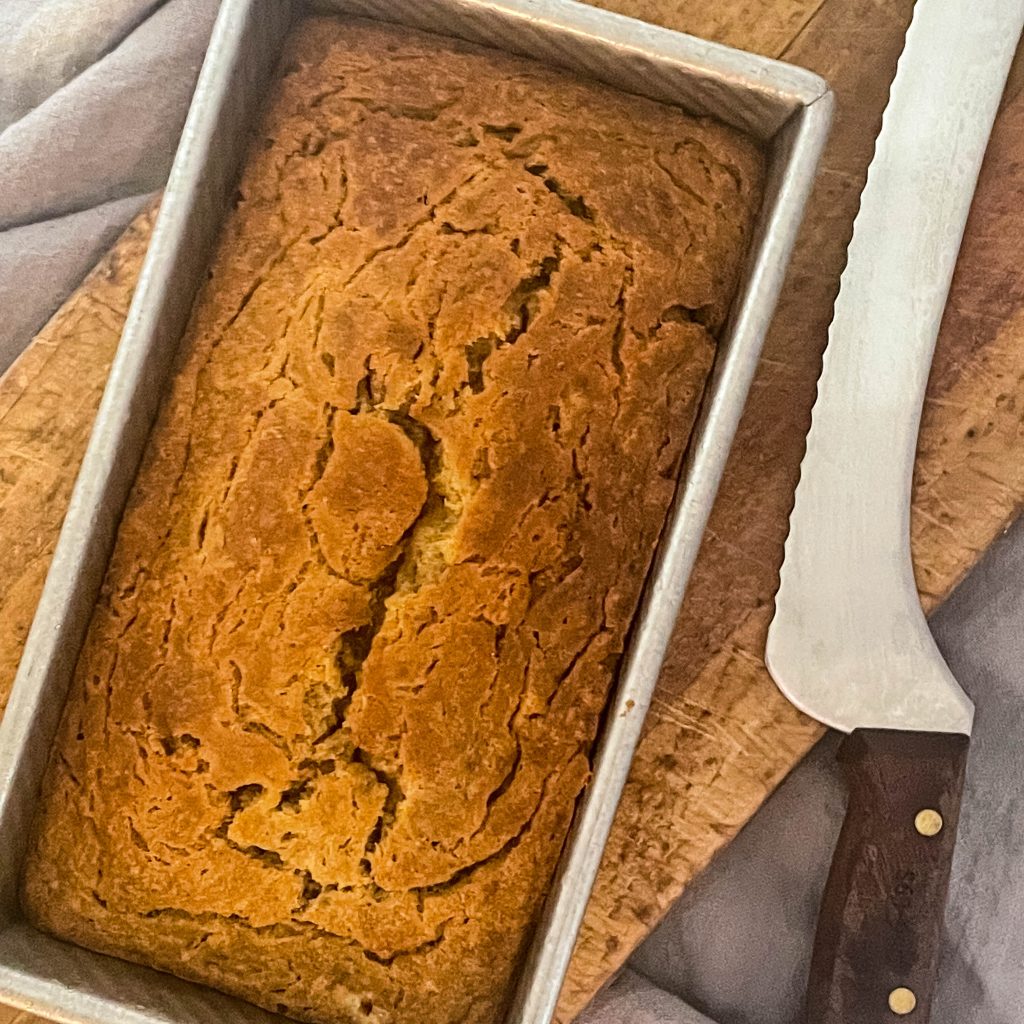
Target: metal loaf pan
788 109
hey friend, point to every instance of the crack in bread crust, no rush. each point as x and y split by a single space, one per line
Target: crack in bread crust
339 694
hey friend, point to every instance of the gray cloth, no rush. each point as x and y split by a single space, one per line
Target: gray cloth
92 98
84 149
737 944
633 999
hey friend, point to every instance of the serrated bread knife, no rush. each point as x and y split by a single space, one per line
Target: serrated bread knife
849 643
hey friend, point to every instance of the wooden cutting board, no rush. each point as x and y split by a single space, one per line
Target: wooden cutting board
719 738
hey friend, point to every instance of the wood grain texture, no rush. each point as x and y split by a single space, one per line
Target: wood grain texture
763 26
719 736
880 928
48 400
8 1015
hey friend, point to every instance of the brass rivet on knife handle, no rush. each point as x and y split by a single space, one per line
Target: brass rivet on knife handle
902 1001
928 822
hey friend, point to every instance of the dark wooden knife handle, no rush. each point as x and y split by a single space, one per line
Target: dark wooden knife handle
877 945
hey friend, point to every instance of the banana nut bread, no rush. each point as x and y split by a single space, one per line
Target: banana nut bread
339 694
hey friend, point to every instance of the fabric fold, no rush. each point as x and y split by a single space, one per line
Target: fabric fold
633 999
48 42
113 129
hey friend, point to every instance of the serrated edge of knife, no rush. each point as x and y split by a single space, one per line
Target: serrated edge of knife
809 439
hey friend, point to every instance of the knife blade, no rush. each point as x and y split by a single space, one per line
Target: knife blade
849 643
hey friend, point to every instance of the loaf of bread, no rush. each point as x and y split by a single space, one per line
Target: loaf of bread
340 691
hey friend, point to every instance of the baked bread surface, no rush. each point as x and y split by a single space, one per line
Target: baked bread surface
338 697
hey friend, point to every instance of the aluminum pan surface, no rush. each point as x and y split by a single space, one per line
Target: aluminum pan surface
789 106
756 94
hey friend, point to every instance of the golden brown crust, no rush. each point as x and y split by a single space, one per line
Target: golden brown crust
338 696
